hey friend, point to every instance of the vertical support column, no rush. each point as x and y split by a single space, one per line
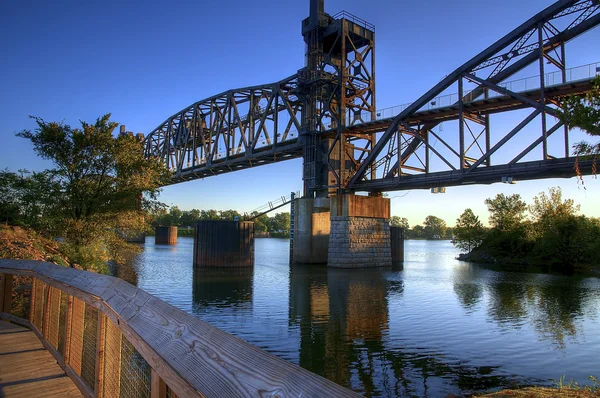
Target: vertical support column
158 388
6 284
461 124
98 383
68 332
360 232
77 329
543 89
32 303
311 231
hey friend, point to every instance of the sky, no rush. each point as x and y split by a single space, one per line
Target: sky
143 61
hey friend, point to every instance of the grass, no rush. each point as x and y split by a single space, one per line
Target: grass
562 390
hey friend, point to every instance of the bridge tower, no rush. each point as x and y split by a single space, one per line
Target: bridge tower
337 89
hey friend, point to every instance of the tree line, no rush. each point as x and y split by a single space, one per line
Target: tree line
277 225
546 232
432 228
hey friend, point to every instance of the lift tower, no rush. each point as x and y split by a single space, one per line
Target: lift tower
337 87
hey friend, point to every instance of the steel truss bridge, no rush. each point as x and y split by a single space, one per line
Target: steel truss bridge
326 113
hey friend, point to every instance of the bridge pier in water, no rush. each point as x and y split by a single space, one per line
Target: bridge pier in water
344 231
165 235
223 244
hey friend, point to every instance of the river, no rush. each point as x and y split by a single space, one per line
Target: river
437 326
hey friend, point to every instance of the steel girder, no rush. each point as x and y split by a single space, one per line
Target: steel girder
233 130
401 158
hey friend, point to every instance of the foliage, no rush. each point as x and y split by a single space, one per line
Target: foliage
555 237
469 231
506 212
584 112
99 183
277 225
435 227
396 221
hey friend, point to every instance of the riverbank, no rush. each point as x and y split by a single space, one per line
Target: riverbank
25 244
545 392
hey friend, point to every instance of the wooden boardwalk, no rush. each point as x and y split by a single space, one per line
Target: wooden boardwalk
27 369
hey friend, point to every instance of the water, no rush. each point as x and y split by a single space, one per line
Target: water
435 327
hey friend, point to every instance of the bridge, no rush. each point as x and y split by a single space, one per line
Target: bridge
326 113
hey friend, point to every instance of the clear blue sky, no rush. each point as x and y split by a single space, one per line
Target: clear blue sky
145 60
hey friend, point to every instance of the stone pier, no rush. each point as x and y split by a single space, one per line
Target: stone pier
359 232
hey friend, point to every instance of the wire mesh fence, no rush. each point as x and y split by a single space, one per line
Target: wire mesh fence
112 359
53 317
21 296
39 303
71 326
88 354
135 373
76 335
62 327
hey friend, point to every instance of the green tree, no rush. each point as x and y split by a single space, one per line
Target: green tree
506 212
417 232
396 221
584 112
435 227
98 182
469 231
189 218
548 210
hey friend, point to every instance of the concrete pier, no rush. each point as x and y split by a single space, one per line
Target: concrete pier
224 244
360 232
311 231
165 235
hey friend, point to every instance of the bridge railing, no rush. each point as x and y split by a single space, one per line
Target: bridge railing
115 340
578 73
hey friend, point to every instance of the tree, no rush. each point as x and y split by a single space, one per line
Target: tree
469 231
584 112
549 210
98 182
396 221
417 232
435 228
506 212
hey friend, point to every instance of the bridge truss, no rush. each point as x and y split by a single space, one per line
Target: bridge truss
407 149
403 154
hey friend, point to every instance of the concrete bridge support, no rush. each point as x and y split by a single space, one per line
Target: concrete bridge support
311 231
360 232
344 231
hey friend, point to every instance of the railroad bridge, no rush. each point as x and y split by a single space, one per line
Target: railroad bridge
326 114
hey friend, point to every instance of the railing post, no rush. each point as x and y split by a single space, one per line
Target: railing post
6 284
100 355
68 321
32 301
158 386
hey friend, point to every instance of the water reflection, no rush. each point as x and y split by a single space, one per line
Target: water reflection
435 328
222 287
552 304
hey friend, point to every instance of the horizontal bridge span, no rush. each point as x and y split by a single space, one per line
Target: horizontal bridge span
233 130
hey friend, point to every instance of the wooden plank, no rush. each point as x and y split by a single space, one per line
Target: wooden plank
99 355
6 286
76 340
158 386
27 369
112 362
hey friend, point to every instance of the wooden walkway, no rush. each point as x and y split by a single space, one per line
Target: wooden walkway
27 369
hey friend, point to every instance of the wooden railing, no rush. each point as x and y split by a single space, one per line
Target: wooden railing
115 340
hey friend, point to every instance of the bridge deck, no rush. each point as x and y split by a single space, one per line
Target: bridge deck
27 369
